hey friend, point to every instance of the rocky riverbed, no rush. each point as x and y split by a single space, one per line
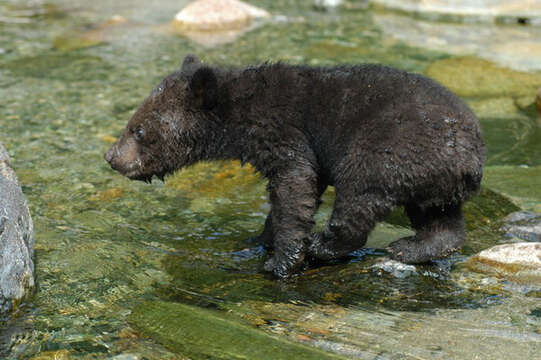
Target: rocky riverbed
119 263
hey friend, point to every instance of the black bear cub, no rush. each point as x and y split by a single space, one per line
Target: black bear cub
382 137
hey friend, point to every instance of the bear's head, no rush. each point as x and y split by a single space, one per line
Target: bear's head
175 126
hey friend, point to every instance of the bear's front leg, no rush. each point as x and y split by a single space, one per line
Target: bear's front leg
294 198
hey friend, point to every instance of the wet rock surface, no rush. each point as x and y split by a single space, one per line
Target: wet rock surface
524 225
522 11
200 333
515 46
16 239
518 261
396 268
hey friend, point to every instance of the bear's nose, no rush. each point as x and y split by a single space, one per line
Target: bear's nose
110 155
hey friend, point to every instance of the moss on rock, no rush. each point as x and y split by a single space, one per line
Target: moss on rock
486 209
204 334
521 184
473 77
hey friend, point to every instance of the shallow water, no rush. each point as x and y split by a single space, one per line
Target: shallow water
69 80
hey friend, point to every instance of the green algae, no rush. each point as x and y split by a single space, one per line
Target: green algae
483 211
474 77
521 184
200 333
72 66
512 141
518 273
486 209
495 107
220 179
69 43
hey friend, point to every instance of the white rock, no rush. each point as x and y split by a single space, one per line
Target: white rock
396 268
212 15
327 3
524 254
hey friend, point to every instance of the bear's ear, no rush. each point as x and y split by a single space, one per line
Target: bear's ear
204 88
190 64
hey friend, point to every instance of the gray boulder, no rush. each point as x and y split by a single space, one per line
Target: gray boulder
523 225
16 239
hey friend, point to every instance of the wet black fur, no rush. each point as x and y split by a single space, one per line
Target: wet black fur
382 137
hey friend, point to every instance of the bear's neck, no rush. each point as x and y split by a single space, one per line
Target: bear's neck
253 112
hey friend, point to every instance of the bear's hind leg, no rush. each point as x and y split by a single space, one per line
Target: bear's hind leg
439 232
352 219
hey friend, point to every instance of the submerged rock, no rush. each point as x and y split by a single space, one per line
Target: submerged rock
522 11
524 225
517 47
16 239
473 77
199 333
519 183
396 268
95 36
518 260
213 15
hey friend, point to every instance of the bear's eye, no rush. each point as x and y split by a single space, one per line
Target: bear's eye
139 133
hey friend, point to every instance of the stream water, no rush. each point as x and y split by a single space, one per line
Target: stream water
109 252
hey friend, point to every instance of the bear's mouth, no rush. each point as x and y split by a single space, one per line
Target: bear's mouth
147 177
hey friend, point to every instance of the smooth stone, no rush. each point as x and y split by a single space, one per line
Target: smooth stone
474 77
210 39
396 268
16 239
526 254
327 3
205 334
521 261
125 357
478 9
213 15
517 47
524 225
